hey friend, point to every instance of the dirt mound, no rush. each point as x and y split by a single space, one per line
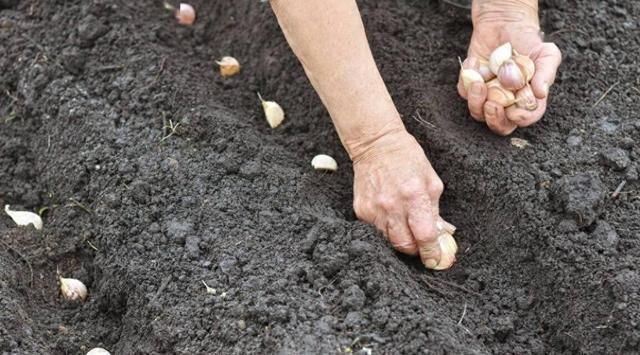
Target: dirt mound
159 175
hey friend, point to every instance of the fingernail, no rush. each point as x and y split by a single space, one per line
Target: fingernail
476 89
430 263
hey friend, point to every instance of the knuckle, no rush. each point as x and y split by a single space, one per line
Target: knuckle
435 188
411 189
384 202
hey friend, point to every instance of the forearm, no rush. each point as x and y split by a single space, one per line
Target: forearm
501 11
329 39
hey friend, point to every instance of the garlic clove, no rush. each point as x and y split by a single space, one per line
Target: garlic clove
484 70
500 95
448 250
526 65
510 76
24 218
272 111
526 99
469 76
444 226
324 162
72 289
229 66
186 14
98 351
499 56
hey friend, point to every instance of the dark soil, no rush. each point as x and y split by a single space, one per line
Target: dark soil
549 260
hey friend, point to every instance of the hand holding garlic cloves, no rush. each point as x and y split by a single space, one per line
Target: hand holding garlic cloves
512 54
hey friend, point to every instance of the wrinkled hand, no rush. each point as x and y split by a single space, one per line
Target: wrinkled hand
397 190
514 21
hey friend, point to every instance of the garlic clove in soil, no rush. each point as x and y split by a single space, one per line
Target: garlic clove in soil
186 14
469 76
24 218
499 56
526 64
500 95
272 112
448 250
229 66
510 76
72 289
98 351
324 162
526 99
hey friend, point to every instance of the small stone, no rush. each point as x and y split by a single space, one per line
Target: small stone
598 44
229 266
353 298
192 247
627 143
605 236
178 231
580 196
90 29
73 60
353 319
616 158
567 226
632 173
574 141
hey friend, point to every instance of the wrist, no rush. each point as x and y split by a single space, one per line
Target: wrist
500 13
364 144
385 141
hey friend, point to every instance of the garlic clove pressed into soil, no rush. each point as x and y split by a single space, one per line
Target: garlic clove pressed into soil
24 218
324 162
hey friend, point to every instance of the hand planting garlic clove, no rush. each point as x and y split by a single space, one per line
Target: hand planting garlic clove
526 99
510 76
72 289
98 351
499 56
229 66
272 112
24 218
324 162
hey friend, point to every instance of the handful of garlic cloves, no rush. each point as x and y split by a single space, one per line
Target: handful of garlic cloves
507 74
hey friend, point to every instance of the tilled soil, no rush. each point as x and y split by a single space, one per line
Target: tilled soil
143 214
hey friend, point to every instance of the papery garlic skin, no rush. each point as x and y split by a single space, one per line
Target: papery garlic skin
526 99
484 70
24 218
186 14
500 95
526 65
229 66
72 289
448 250
470 76
510 76
499 56
324 162
272 112
98 351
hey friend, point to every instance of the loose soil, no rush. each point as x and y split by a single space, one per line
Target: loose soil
548 263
